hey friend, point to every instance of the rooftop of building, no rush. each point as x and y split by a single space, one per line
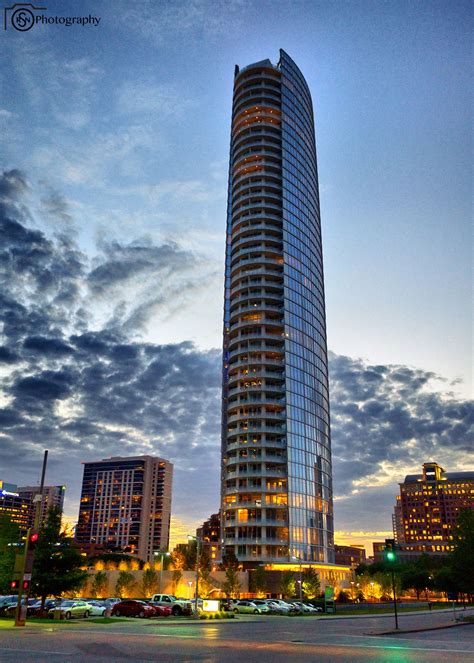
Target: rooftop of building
432 472
446 476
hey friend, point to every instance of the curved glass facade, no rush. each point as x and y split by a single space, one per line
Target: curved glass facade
276 461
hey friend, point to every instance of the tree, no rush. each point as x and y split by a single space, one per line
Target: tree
206 583
229 560
231 585
310 583
258 581
178 559
462 557
9 534
125 584
149 582
176 579
99 585
287 584
413 576
57 565
343 597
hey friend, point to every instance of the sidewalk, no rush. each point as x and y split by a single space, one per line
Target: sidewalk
431 627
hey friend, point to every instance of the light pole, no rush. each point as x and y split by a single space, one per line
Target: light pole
161 555
300 581
196 592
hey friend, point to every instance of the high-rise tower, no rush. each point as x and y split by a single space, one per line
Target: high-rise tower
276 448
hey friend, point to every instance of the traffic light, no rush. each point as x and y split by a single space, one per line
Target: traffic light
14 584
26 585
32 541
390 554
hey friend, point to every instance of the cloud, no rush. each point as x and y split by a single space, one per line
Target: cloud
88 391
148 97
184 19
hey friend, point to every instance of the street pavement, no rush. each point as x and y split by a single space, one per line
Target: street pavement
266 639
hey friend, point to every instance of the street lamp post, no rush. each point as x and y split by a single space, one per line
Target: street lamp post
196 591
161 555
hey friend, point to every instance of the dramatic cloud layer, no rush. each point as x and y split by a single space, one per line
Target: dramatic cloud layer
87 391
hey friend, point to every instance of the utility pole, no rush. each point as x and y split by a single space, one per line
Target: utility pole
26 560
198 551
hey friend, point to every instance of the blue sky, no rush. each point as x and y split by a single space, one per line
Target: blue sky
121 132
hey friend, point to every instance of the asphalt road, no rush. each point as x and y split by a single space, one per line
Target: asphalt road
247 639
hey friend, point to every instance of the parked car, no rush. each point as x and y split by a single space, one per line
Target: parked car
305 607
263 605
98 608
6 602
71 609
10 608
35 607
226 605
133 608
246 607
160 610
178 606
281 607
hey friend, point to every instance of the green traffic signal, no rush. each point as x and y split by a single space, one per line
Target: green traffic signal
391 557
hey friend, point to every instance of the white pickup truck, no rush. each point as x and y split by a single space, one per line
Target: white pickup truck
178 606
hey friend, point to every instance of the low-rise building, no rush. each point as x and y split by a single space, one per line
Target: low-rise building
352 555
12 504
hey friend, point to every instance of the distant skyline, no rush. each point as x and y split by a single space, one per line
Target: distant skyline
114 143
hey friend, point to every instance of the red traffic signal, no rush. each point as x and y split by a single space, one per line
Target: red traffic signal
32 540
26 584
14 584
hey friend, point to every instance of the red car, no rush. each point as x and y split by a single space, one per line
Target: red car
132 608
160 610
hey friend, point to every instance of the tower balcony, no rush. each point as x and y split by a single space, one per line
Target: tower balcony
252 399
261 239
258 254
265 416
255 306
271 227
268 133
269 268
256 324
255 361
233 444
257 206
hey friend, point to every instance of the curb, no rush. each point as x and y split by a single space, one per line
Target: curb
420 630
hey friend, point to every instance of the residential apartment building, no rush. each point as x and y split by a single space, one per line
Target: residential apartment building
53 496
276 478
209 535
126 505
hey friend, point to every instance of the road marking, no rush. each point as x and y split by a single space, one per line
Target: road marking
285 642
38 651
333 644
